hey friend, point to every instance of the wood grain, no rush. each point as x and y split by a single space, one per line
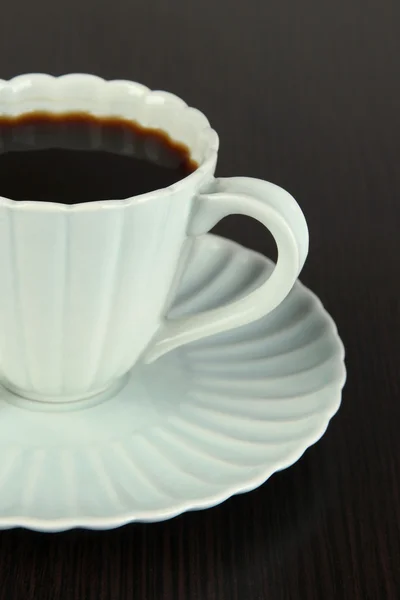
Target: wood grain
307 95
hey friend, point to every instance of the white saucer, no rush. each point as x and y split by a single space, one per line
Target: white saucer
204 422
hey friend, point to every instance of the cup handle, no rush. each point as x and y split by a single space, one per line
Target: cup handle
278 211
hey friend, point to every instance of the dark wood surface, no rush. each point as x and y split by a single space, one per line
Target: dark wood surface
305 94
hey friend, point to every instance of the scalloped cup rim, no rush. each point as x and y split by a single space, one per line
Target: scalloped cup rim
139 90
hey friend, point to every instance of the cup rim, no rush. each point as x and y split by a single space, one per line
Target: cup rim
52 90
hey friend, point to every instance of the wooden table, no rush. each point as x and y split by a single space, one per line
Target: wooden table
305 94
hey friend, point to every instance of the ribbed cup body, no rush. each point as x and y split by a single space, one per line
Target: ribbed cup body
84 292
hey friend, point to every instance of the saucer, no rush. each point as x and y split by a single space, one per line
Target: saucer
215 418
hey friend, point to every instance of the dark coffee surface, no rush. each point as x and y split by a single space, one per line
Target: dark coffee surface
305 94
76 157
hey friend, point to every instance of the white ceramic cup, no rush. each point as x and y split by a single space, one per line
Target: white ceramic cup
85 288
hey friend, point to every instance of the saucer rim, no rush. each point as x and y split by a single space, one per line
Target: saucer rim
158 515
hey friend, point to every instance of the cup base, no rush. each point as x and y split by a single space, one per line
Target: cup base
38 402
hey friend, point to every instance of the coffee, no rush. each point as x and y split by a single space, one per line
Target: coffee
77 157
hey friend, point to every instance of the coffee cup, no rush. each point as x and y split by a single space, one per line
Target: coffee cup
86 286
